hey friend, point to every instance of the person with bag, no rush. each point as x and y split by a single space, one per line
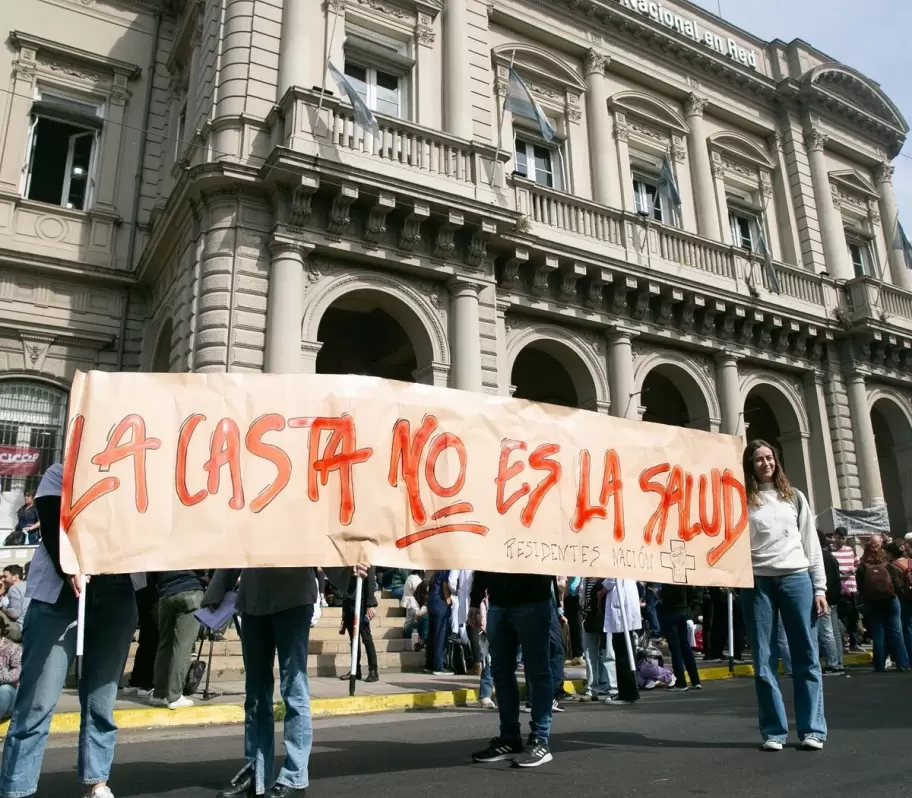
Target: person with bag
903 564
598 653
789 581
879 585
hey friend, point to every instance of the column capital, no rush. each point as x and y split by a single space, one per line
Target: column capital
460 284
815 139
620 333
281 244
694 105
883 173
596 62
726 357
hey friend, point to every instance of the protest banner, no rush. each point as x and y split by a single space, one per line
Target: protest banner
19 461
167 471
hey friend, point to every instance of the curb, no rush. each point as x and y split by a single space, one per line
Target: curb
221 714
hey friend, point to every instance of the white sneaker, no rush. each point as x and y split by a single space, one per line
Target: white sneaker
181 702
157 702
811 744
100 792
486 703
771 745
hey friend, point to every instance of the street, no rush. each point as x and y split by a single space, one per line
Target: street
693 744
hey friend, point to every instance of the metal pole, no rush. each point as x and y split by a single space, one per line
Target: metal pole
631 660
731 630
80 624
356 624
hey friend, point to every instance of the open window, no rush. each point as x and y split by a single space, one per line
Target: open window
539 162
63 146
745 230
378 67
860 255
647 197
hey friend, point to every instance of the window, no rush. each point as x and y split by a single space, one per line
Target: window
860 255
745 230
380 90
62 151
647 197
537 162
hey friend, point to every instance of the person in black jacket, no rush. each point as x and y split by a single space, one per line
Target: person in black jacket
829 628
676 601
521 606
366 614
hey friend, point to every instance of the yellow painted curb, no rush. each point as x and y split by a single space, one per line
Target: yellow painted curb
218 714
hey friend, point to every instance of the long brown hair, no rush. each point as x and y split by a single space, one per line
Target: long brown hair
780 478
873 556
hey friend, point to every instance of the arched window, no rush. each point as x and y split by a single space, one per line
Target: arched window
32 423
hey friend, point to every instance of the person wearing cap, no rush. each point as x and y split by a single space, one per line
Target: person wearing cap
48 651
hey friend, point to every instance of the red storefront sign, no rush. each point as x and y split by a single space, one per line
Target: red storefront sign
17 461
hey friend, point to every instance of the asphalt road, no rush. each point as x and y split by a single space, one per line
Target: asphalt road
694 744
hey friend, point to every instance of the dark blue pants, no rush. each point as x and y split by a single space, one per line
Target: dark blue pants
674 624
556 653
438 632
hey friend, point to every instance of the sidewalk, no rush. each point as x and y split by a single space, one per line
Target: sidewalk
329 696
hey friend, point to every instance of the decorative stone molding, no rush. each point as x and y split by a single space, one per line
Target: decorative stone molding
446 235
477 256
694 105
883 173
570 276
339 218
301 200
595 291
541 274
678 150
621 127
411 228
35 350
595 62
512 266
376 220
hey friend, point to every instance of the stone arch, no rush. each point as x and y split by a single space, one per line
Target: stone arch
584 364
164 346
841 80
422 318
786 403
741 146
694 381
891 420
644 105
539 62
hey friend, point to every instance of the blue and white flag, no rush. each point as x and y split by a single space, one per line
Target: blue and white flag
902 243
771 275
521 103
667 185
363 115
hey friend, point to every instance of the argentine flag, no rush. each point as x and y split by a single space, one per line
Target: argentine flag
667 185
521 103
902 243
363 115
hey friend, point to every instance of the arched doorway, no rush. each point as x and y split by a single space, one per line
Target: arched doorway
671 396
546 370
770 416
161 357
360 336
893 440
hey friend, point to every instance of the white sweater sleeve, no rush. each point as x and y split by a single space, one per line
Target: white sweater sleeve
811 544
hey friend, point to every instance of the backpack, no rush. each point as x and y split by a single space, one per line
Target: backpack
15 538
878 583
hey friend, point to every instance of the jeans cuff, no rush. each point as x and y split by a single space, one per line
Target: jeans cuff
293 786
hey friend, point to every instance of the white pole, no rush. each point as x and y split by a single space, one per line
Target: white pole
731 630
356 630
631 660
80 624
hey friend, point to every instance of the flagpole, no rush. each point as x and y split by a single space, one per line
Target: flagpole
503 105
329 46
356 635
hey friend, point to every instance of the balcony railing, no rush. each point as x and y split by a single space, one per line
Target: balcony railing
871 299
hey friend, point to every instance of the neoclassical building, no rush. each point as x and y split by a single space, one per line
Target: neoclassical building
180 190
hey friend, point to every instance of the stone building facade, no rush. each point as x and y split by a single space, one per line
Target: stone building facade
179 192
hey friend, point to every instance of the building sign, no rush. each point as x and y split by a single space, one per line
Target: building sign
688 27
16 461
167 471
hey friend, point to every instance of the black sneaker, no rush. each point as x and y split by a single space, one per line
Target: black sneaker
498 750
536 753
563 695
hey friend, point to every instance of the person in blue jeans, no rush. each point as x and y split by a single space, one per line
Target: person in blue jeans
439 601
276 606
903 565
48 652
676 601
520 614
879 585
789 580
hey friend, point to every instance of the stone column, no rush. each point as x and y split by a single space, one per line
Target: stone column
606 183
620 374
285 305
728 384
193 82
822 461
835 252
294 48
465 335
890 222
701 170
622 153
863 434
108 162
457 107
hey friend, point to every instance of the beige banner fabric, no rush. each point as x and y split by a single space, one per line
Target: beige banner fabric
168 471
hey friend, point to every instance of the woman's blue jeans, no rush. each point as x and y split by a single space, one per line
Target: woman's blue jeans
792 598
885 625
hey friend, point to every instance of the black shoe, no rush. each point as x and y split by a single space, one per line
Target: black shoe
556 706
241 788
282 791
372 676
563 695
536 753
498 750
348 676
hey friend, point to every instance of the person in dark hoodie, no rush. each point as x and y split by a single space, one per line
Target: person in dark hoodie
520 612
180 595
48 652
676 601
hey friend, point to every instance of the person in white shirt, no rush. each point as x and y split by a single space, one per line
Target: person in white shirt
789 581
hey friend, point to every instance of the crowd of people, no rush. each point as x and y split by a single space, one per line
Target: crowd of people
810 595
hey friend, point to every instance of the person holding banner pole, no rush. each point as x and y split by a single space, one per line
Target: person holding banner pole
276 606
622 616
49 649
789 580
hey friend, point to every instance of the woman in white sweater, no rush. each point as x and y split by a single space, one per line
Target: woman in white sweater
789 580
